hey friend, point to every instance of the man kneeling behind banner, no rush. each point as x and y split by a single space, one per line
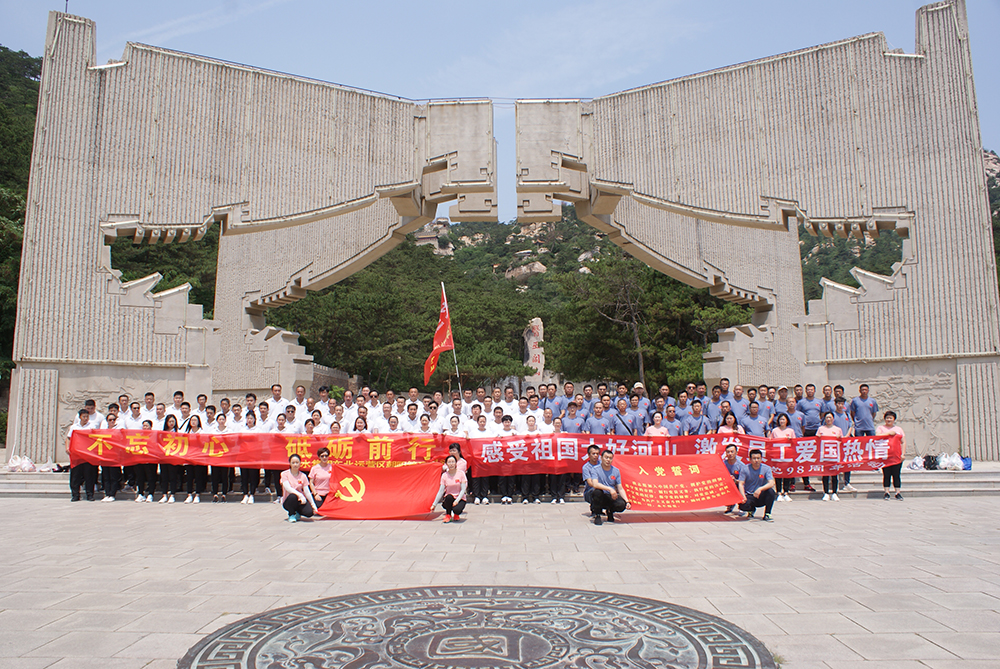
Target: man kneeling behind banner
362 493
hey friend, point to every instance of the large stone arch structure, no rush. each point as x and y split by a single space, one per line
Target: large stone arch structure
706 178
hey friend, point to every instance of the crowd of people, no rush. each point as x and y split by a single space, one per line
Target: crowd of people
764 411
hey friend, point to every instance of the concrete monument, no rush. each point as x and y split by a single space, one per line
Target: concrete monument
706 178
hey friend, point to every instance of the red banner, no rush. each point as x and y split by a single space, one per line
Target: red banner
677 482
363 493
119 448
507 456
566 453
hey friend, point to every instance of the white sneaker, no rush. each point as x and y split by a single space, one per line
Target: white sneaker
538 501
486 501
788 498
171 500
139 499
197 499
477 502
834 497
189 499
250 499
163 500
826 497
850 488
525 501
244 500
562 501
108 499
149 499
554 501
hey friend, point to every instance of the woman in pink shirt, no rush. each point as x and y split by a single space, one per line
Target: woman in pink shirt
657 429
828 429
784 432
451 494
890 473
319 476
730 425
296 497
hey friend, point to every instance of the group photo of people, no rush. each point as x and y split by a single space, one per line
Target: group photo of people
602 409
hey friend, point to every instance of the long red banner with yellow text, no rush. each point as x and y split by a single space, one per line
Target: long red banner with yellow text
506 456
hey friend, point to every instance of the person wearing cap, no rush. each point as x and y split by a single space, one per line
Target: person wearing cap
644 402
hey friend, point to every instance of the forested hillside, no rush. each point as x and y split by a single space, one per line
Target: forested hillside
607 315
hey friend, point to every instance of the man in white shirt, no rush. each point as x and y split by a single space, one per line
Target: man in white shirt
468 398
202 409
265 423
175 409
160 417
350 407
239 421
293 419
521 416
438 424
133 419
148 411
411 423
301 407
380 422
96 421
496 425
547 426
509 402
399 407
83 473
277 403
323 404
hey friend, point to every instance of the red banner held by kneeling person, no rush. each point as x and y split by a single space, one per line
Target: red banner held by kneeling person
677 482
366 493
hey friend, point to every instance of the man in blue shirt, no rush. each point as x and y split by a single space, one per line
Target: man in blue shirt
607 494
593 460
588 399
794 417
738 404
696 422
724 391
658 405
640 415
811 408
665 394
765 405
842 419
624 422
674 427
682 407
737 470
758 485
644 403
572 423
754 424
598 423
863 410
713 409
828 404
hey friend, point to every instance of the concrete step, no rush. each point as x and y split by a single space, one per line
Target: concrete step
869 485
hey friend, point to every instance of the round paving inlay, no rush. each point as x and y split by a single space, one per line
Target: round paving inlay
483 627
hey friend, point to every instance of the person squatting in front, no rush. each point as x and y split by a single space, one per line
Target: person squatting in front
297 498
451 494
758 485
605 483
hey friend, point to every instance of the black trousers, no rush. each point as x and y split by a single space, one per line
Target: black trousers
111 480
531 486
293 504
765 500
84 474
806 432
600 502
830 485
784 485
272 480
890 474
220 479
507 485
249 480
557 485
171 478
451 506
197 476
145 478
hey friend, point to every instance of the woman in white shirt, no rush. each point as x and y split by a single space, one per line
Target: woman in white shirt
249 478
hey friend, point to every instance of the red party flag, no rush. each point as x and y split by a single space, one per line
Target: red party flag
442 339
362 493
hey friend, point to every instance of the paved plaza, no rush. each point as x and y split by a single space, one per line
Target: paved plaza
860 583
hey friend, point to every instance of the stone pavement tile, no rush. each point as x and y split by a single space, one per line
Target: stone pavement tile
967 645
967 621
765 604
884 586
875 664
961 664
230 604
180 586
33 600
218 622
896 603
174 622
28 619
28 662
86 644
756 624
893 647
822 603
699 589
963 600
961 584
103 663
160 644
15 643
778 589
96 601
815 623
882 622
210 588
92 621
806 650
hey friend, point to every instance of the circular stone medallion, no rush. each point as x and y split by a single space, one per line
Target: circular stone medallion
480 627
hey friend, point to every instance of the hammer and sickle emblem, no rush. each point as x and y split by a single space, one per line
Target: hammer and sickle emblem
355 493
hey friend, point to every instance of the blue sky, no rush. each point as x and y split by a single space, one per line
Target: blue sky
502 50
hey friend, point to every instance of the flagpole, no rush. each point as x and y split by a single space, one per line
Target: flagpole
453 355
